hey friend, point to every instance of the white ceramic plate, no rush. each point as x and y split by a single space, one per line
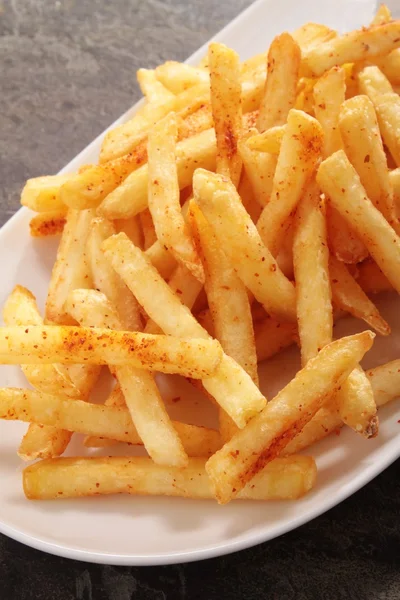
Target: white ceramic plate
149 531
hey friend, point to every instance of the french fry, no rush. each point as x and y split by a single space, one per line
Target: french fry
300 150
148 229
152 88
311 269
283 65
163 198
241 242
348 295
185 285
373 83
116 398
283 479
339 180
269 432
248 198
42 194
231 387
363 145
351 47
371 279
95 419
48 223
132 228
161 259
389 65
394 177
226 106
44 345
130 198
268 141
178 77
312 35
385 381
147 410
272 337
382 15
259 167
106 280
71 269
388 111
356 404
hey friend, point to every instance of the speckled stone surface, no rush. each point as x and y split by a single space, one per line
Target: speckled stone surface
67 70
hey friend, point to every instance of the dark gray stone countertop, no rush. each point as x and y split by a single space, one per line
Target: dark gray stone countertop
67 70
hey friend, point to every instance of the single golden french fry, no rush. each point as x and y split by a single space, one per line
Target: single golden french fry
149 231
130 198
152 88
329 95
311 269
385 381
225 89
92 309
95 419
48 223
300 151
178 77
248 198
390 66
71 269
241 242
106 280
283 65
343 241
283 479
268 433
42 194
44 345
373 83
351 47
312 35
349 296
363 145
356 404
371 279
388 111
161 259
268 141
259 167
272 336
164 201
339 180
231 386
382 15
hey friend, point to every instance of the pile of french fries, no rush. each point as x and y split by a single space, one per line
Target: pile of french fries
244 208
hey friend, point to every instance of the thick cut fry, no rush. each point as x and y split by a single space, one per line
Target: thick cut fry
178 77
48 223
349 296
363 145
373 83
356 404
226 106
300 150
283 479
161 259
152 88
95 419
352 47
269 432
92 309
311 35
164 201
311 269
130 198
388 110
43 345
390 66
242 244
106 280
272 337
371 279
231 387
71 269
339 180
268 141
42 194
283 65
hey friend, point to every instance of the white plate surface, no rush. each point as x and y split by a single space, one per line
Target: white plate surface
149 531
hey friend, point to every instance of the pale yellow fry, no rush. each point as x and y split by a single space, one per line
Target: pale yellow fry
388 111
130 198
268 141
48 223
161 259
343 241
132 228
152 88
42 194
351 47
339 180
225 89
283 479
300 150
106 280
371 279
283 65
178 77
272 337
259 168
385 381
95 419
269 432
382 15
248 198
373 83
311 270
311 35
350 297
92 309
240 240
71 269
148 229
390 66
43 345
231 387
164 199
356 404
363 145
